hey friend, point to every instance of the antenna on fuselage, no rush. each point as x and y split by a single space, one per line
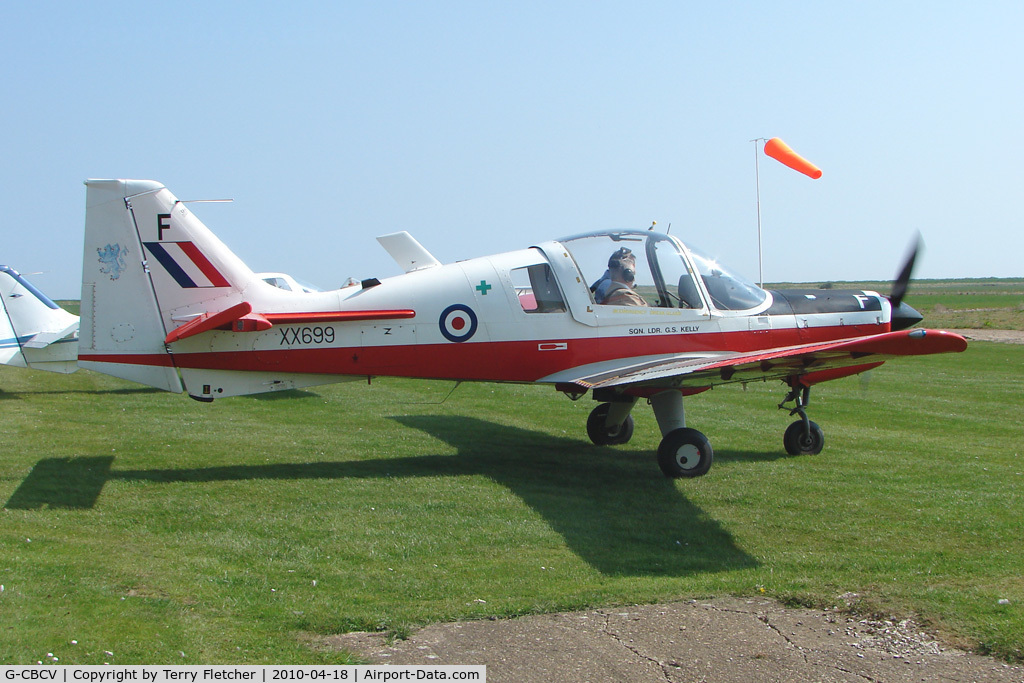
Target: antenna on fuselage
458 383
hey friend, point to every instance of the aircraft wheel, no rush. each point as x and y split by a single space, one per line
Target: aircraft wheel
602 435
685 452
797 443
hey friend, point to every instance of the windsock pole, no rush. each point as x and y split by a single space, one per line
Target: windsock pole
757 188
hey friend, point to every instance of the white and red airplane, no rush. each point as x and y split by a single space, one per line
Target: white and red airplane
35 332
624 314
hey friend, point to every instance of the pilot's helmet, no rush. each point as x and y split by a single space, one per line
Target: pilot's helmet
623 258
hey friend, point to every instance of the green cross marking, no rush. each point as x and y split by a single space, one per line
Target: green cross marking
483 287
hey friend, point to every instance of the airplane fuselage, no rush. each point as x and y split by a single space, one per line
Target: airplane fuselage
466 321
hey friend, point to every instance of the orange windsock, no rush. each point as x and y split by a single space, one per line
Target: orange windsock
784 154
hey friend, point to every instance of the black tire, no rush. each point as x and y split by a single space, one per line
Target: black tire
601 435
797 443
685 452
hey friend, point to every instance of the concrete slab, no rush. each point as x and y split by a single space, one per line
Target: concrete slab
724 639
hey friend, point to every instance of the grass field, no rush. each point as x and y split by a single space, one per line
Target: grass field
153 529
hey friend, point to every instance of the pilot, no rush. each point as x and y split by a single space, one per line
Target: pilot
616 287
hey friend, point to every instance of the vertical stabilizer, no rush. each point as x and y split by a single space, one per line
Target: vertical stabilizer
10 342
149 264
122 330
34 331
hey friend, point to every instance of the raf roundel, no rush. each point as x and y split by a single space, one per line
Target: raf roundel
458 323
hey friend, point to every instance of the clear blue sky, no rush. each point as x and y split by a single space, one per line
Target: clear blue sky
482 127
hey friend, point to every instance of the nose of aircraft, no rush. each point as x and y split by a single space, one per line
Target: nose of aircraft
904 316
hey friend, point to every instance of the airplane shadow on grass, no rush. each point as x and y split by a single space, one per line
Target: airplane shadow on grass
612 507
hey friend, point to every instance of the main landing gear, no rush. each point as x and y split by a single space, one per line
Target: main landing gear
685 452
610 424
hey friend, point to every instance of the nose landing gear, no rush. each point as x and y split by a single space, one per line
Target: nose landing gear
802 437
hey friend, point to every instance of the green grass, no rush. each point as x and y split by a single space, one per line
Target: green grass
168 531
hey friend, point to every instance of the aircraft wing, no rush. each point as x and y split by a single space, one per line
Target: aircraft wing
813 362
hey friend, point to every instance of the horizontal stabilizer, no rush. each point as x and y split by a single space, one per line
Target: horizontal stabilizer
240 318
44 339
251 322
208 321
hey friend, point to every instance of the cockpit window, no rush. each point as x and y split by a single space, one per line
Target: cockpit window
678 288
536 289
664 274
660 272
288 283
594 254
729 292
278 282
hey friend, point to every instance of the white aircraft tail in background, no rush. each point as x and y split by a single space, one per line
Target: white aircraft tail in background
35 332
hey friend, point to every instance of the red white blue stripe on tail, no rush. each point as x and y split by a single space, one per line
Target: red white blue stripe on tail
186 264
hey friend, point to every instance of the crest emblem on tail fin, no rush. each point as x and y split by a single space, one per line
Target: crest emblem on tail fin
112 260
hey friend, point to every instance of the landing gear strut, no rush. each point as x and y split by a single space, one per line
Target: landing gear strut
803 437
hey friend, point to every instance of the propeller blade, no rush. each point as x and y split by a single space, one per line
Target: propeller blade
865 380
902 283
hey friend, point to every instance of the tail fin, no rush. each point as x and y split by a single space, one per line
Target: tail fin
149 264
35 332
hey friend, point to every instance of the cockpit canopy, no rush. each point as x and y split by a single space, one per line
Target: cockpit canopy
666 271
